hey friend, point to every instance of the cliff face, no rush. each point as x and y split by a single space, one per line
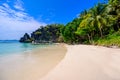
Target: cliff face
26 38
49 33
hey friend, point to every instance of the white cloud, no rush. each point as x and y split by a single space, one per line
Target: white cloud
5 5
19 5
16 22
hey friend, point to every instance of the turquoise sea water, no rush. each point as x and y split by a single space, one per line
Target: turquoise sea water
13 46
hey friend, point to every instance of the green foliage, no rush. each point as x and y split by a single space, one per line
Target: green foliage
47 33
99 25
37 33
110 40
68 32
95 25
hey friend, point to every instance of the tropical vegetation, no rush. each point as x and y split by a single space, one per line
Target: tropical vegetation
99 25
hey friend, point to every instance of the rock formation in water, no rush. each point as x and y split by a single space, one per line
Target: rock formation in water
26 38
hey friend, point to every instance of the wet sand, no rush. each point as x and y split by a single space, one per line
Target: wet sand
85 62
31 65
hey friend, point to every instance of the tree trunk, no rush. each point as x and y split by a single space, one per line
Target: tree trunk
118 24
92 33
101 34
89 38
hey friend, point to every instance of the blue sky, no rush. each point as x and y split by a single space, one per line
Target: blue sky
20 16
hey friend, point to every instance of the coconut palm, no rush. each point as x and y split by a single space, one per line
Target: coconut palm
98 18
93 21
114 11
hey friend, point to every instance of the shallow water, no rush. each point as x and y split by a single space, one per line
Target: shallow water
31 64
12 46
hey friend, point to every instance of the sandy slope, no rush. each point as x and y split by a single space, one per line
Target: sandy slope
84 62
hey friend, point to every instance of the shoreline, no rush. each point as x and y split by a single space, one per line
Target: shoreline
63 62
31 65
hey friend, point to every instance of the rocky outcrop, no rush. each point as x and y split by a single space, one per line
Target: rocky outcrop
45 34
25 39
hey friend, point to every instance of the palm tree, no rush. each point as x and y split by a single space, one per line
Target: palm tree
85 28
98 18
94 20
114 11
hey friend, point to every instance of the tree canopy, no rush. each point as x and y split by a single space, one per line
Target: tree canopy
92 25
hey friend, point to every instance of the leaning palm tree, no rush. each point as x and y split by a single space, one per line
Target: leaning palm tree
98 17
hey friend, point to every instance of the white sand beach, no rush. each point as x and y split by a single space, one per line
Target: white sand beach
85 62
